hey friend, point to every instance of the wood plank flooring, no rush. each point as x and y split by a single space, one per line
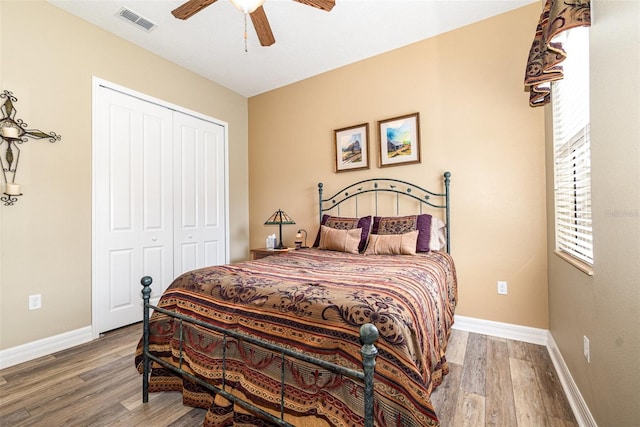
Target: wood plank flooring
498 382
492 382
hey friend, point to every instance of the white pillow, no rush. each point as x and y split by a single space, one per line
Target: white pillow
438 240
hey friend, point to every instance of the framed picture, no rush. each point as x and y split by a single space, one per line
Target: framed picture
399 140
352 148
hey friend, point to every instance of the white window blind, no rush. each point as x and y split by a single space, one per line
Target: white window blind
572 153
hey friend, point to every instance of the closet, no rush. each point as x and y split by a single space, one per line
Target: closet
159 199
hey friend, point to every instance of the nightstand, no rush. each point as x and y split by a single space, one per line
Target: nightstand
264 252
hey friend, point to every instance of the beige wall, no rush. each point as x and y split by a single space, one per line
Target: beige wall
606 307
475 122
48 58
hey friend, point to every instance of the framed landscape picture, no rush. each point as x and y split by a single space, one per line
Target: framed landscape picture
352 148
399 140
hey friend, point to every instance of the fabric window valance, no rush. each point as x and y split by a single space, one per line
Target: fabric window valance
545 54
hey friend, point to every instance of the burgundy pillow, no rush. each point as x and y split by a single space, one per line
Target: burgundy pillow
404 224
342 223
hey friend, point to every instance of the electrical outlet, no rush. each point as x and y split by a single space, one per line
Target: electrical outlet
35 301
585 348
502 288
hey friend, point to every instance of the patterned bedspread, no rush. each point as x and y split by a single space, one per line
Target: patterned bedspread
313 301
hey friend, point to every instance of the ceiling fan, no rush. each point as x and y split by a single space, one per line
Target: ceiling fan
253 8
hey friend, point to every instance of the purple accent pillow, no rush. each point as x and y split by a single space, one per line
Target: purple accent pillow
405 224
342 223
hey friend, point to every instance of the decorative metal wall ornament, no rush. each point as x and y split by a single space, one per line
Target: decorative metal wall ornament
14 132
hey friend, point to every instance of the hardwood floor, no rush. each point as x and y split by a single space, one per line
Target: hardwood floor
499 382
492 382
94 384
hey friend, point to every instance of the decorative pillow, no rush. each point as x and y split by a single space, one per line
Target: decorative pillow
404 224
392 244
334 239
342 223
438 240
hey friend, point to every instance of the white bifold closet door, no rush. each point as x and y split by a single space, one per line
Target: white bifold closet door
159 201
199 202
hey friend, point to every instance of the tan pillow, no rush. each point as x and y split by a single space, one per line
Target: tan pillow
392 244
340 240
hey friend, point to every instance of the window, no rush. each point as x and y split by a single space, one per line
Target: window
572 153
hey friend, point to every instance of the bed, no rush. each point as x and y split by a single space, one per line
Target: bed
294 339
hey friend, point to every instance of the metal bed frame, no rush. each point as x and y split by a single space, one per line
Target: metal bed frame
368 332
368 335
395 186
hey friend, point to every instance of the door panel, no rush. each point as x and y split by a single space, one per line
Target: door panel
133 219
119 272
119 151
213 252
199 185
213 200
189 255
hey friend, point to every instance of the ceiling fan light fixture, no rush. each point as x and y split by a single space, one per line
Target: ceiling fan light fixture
247 6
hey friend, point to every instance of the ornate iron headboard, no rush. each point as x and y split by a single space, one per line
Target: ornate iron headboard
390 185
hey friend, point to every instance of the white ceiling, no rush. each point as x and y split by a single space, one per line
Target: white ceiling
309 41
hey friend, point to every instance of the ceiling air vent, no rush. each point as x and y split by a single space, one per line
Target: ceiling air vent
136 19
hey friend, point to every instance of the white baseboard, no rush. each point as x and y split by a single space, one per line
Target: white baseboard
576 401
502 330
540 337
33 350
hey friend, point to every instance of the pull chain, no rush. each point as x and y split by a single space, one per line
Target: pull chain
245 33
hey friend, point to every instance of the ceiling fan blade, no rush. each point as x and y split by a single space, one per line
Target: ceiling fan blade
190 8
263 29
320 4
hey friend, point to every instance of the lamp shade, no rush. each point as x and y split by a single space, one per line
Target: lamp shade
299 244
247 6
279 217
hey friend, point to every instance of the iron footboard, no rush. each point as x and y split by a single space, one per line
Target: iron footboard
368 335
